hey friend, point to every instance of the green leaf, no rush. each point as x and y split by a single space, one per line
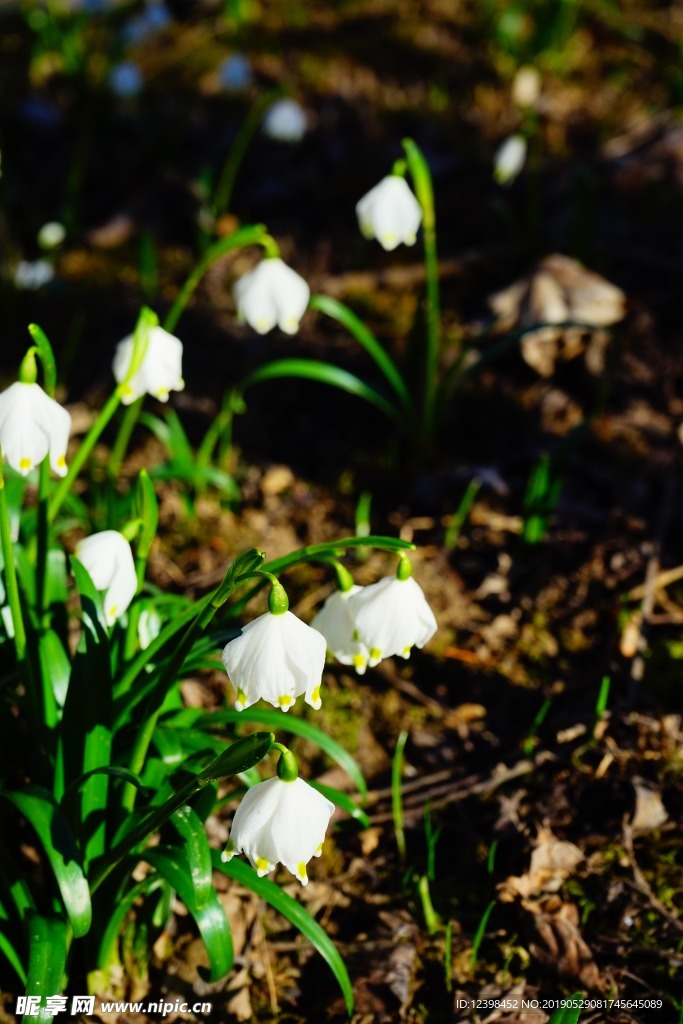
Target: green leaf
54 665
568 1015
47 959
364 336
297 726
39 808
294 912
210 917
107 950
87 719
147 509
197 852
326 373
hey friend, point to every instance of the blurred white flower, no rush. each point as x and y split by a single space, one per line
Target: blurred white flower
32 275
126 79
235 73
51 235
509 159
160 371
392 617
31 426
272 293
109 560
277 658
285 121
280 822
526 87
335 622
390 213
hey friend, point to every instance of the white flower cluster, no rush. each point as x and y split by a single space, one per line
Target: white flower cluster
278 658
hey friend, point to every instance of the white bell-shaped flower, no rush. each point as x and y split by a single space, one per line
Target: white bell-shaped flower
390 213
160 371
272 293
280 822
509 159
335 622
277 658
392 617
285 121
109 560
33 425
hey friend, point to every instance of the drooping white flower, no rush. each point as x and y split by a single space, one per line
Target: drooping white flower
109 559
272 293
277 657
280 822
392 617
160 371
336 623
509 159
33 425
390 213
285 121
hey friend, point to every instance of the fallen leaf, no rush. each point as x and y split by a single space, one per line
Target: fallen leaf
650 812
552 861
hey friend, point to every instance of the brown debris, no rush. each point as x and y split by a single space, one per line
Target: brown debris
559 290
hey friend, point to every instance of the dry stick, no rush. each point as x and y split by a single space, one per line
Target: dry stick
650 588
460 791
641 882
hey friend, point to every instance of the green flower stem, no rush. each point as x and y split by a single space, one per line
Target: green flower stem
316 553
238 150
254 234
364 336
11 584
42 537
422 179
81 456
123 436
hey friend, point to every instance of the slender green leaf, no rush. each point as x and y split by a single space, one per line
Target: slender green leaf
294 912
54 665
210 917
87 720
39 808
107 949
479 934
297 726
348 319
197 852
326 373
569 1014
48 946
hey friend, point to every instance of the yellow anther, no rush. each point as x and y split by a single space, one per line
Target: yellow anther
24 463
61 462
315 694
319 850
359 660
285 700
375 652
262 865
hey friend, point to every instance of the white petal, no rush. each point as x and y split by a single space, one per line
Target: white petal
277 658
271 294
160 370
335 622
109 560
390 213
392 616
31 424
